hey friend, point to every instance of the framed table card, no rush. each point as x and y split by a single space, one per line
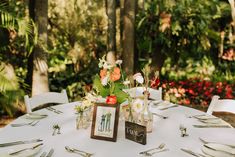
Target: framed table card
105 122
135 132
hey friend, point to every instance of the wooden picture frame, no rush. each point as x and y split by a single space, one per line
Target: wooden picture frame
105 122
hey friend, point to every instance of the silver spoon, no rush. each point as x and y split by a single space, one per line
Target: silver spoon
73 150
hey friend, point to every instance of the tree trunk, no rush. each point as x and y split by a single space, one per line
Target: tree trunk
111 35
38 66
158 59
121 22
129 36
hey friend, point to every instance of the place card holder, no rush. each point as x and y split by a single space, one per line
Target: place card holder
135 132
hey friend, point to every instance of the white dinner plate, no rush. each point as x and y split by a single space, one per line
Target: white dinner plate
218 150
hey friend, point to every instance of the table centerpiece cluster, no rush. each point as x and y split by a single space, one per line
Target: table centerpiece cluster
115 94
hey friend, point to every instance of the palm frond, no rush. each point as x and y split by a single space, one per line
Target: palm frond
7 84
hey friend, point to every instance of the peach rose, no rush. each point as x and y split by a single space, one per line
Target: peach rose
115 74
103 73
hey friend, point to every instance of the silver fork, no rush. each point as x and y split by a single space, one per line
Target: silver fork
83 153
151 154
162 145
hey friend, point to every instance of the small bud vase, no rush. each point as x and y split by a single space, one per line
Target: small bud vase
146 116
83 119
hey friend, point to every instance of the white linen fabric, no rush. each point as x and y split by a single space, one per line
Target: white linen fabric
164 131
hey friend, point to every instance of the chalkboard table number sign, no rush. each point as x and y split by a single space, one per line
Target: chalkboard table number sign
135 132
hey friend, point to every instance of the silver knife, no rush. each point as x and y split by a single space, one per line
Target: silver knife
19 142
193 153
50 153
24 149
169 107
212 126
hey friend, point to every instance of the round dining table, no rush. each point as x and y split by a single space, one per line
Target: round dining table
165 131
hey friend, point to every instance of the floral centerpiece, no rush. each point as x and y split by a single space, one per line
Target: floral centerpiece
138 105
109 82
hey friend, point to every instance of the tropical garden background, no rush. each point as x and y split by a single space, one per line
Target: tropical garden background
50 45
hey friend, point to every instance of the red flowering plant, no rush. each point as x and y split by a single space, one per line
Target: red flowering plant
195 92
109 82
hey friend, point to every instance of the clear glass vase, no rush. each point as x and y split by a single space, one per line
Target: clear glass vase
83 119
146 116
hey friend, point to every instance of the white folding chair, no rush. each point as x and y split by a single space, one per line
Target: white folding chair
221 105
138 91
45 98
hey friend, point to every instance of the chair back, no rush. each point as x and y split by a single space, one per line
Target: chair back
45 98
221 105
138 92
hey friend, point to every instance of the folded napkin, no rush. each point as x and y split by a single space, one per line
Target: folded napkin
213 126
205 117
25 153
218 150
35 116
211 121
163 105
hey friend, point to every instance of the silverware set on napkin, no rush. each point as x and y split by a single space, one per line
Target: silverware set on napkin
209 121
20 142
32 123
25 149
49 154
152 151
54 110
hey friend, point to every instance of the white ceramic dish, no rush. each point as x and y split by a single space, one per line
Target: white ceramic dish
218 150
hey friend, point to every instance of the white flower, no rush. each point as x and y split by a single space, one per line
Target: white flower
102 62
90 97
139 78
107 65
119 62
104 81
138 105
126 82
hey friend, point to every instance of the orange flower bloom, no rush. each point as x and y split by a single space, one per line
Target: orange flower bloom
115 74
103 73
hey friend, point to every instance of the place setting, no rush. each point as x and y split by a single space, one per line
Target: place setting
35 115
78 151
212 149
210 121
24 148
163 105
155 150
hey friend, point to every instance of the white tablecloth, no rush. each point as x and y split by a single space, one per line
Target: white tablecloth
164 131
